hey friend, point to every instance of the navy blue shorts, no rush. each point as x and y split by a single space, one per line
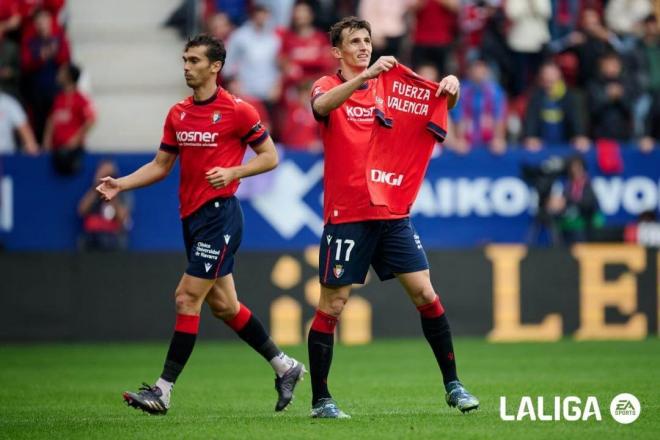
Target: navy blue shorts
390 246
212 235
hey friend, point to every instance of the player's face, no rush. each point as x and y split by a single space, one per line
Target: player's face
355 48
197 68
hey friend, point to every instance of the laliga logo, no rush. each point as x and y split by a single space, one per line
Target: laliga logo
624 408
387 178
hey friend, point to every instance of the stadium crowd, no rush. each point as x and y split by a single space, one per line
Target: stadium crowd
533 72
40 104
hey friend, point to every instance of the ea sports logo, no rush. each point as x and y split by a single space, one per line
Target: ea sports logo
625 408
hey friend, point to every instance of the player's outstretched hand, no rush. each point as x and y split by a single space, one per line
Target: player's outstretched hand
449 85
382 64
220 177
108 188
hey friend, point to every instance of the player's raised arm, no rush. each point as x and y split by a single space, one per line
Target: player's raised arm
147 174
336 96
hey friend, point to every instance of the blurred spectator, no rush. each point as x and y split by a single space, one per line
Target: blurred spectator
473 20
184 19
589 44
13 119
9 66
554 113
389 24
527 36
566 15
650 48
611 100
252 57
104 224
300 131
494 49
577 206
642 61
70 120
436 29
43 52
481 111
236 10
233 86
10 16
29 9
280 11
305 52
220 27
651 135
624 16
328 12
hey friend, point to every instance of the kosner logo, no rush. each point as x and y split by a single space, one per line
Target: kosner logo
196 136
359 112
392 179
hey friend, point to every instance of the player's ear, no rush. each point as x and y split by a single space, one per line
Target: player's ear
336 53
216 66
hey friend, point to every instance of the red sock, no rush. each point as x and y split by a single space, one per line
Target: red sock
324 323
240 320
187 324
432 310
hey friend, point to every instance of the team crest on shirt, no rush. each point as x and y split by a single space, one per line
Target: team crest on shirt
338 270
216 117
183 115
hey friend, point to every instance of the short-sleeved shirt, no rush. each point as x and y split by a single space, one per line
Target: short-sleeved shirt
207 134
69 113
12 116
410 120
345 132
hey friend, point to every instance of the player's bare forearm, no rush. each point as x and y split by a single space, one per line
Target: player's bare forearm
149 173
265 160
336 96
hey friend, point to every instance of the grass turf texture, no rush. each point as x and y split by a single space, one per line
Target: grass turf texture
391 388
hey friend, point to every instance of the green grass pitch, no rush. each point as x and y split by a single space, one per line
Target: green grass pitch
391 388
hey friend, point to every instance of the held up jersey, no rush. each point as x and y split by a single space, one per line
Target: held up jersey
409 121
207 134
345 132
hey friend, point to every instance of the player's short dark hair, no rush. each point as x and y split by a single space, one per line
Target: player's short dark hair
351 23
215 48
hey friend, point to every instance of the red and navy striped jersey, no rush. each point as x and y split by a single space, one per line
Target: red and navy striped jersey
207 134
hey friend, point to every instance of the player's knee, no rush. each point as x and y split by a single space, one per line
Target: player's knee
336 306
423 295
224 309
184 301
